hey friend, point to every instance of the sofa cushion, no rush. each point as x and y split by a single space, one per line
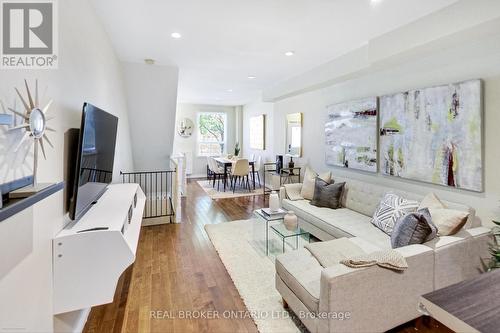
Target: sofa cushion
326 194
301 272
413 228
307 191
390 209
339 223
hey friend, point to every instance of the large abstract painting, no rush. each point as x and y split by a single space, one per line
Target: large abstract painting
351 135
434 135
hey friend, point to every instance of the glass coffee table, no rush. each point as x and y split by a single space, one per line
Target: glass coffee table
279 239
261 229
291 238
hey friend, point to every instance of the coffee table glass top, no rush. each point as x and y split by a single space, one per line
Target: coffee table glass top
285 233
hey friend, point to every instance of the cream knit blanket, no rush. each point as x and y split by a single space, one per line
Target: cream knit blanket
343 251
331 252
388 259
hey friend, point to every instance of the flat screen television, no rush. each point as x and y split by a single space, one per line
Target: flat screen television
94 160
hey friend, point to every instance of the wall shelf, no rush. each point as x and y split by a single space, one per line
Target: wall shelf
17 205
90 255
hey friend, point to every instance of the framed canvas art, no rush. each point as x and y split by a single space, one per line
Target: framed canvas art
257 132
434 135
351 135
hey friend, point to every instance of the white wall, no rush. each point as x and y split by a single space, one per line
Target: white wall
256 109
152 100
468 54
88 71
189 145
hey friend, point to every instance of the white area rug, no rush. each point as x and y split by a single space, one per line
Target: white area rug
240 192
252 274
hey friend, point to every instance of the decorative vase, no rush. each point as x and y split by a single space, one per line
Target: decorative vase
291 165
291 221
274 201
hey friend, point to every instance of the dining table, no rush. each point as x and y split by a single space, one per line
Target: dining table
226 163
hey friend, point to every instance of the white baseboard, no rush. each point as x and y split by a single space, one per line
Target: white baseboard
204 175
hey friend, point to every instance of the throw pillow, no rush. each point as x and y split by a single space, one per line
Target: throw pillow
431 201
448 221
390 209
326 194
293 191
310 175
413 228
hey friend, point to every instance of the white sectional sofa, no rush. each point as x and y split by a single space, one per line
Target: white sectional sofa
374 298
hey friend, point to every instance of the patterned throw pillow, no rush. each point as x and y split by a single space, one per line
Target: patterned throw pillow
413 228
390 209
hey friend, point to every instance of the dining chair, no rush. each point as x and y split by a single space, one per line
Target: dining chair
209 169
240 171
217 171
256 168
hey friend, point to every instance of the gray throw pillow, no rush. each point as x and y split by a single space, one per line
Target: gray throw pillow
413 228
326 194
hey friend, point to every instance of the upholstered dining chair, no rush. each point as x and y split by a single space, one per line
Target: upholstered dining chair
217 172
240 171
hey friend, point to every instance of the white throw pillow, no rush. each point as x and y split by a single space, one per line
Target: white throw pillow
293 192
390 209
448 221
307 191
431 201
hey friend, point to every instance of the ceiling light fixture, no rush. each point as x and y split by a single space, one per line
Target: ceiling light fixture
289 53
229 90
176 35
251 77
149 61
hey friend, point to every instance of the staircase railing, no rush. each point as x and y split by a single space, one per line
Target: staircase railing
158 188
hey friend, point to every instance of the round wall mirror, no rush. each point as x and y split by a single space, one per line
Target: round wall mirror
185 128
37 123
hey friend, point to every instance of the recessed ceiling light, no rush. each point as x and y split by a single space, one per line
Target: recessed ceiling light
251 77
176 35
229 90
289 53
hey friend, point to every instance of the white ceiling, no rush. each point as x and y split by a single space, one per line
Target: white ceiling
225 41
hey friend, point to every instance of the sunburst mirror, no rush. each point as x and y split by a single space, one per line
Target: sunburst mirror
34 123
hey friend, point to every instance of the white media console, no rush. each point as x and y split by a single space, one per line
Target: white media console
90 255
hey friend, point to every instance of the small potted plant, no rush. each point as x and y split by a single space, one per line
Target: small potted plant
494 261
237 149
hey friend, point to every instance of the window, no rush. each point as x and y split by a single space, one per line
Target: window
211 133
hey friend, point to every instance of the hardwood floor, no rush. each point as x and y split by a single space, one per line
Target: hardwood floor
177 269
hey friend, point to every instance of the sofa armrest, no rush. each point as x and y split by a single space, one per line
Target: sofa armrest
375 299
458 257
